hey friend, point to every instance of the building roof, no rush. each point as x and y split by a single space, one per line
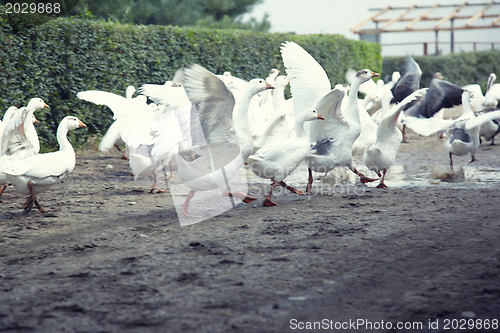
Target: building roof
464 16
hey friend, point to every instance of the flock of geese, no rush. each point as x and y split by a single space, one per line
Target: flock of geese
210 125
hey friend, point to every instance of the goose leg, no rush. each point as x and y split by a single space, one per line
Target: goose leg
382 184
451 161
472 159
268 202
309 182
291 188
240 195
363 178
155 185
117 147
32 199
171 173
4 186
186 204
40 207
404 134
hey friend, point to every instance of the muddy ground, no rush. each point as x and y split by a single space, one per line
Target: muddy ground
112 257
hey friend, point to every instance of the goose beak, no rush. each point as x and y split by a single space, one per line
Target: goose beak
268 86
45 106
375 74
36 121
321 117
81 124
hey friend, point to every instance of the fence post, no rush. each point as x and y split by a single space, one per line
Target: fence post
437 43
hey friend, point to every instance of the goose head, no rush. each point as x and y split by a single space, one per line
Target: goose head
395 76
273 73
281 81
491 79
37 104
227 78
438 76
129 92
73 122
257 85
310 114
365 75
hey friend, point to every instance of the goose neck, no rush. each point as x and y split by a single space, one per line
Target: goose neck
278 97
353 93
62 137
240 113
299 128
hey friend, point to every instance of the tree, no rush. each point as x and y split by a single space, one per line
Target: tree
208 13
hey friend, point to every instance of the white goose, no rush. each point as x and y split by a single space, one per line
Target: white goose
464 137
233 83
463 132
332 140
6 117
262 106
278 159
38 173
492 95
225 124
491 128
159 129
19 138
126 110
280 121
266 96
222 118
477 97
174 98
381 155
20 133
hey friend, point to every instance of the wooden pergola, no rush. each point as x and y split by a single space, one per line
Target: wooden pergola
422 18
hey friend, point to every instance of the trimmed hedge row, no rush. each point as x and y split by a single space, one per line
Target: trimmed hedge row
458 68
58 59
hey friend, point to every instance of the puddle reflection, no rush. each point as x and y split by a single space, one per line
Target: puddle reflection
398 176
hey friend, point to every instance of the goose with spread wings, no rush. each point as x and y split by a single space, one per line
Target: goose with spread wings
332 139
224 122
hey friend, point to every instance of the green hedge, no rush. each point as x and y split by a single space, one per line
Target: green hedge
458 68
61 57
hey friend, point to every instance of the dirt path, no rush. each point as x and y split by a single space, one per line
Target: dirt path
113 258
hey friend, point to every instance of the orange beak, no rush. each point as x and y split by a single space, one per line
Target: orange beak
45 106
81 124
321 117
36 121
268 86
375 74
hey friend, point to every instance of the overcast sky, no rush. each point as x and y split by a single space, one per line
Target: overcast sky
338 17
